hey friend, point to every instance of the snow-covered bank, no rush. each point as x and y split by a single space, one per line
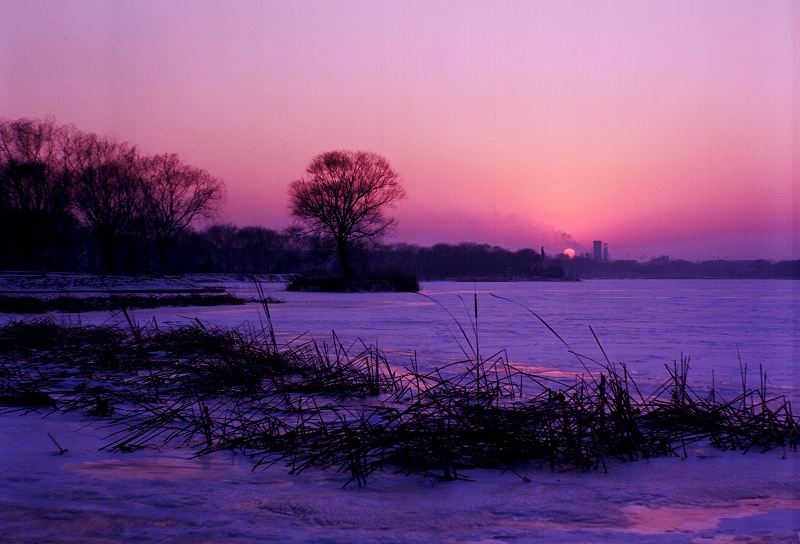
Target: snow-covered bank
86 495
65 283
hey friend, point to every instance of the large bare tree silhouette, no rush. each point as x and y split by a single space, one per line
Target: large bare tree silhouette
343 199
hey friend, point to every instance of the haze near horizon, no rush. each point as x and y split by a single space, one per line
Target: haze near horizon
666 128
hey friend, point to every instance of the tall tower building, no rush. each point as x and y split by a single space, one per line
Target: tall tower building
597 249
605 251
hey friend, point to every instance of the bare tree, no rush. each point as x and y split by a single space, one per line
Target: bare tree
343 200
34 186
174 195
107 192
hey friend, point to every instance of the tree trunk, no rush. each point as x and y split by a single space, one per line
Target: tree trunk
347 268
107 253
162 256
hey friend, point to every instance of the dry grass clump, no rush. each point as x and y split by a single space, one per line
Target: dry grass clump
341 407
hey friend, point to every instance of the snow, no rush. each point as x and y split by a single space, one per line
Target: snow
163 494
156 495
74 284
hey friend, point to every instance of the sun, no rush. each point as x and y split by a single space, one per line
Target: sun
569 252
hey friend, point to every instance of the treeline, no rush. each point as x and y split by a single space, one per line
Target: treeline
666 268
71 200
228 249
467 261
78 202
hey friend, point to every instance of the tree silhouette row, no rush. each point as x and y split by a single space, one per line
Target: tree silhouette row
62 190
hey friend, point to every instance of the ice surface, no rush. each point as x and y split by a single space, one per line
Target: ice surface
644 323
87 495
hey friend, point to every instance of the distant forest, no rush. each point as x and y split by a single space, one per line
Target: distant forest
78 202
228 249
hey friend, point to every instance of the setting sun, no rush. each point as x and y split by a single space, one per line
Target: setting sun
569 252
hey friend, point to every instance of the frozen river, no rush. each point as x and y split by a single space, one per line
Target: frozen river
643 323
712 496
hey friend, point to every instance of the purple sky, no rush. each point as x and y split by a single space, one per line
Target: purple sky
658 127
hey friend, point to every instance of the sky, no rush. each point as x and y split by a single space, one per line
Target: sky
661 128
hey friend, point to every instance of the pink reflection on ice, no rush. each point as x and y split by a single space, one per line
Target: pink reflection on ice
668 519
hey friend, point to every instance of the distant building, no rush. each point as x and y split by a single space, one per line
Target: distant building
605 251
597 250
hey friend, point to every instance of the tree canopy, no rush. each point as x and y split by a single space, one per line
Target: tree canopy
344 198
34 187
55 179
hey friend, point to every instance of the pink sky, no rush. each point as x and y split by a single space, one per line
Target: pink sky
658 127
